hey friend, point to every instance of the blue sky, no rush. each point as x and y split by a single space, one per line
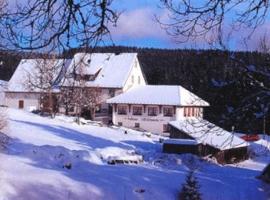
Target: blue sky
137 27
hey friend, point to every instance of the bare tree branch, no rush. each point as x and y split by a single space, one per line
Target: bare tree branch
51 24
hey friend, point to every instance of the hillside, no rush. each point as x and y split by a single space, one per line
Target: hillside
211 74
41 149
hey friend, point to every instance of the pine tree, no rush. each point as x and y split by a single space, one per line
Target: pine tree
190 189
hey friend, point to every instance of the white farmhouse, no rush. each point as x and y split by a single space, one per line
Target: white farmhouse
19 93
152 107
111 73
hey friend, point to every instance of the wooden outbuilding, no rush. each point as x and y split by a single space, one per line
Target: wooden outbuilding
203 138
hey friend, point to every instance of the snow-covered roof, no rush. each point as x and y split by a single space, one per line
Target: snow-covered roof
28 70
207 133
159 95
181 141
111 70
91 63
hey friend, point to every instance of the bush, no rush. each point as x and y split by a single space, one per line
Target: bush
190 189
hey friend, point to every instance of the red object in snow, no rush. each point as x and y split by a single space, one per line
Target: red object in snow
251 137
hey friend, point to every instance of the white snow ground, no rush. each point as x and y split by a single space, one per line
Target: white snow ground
31 167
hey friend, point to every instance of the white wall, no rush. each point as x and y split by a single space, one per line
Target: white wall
134 77
3 87
150 123
2 97
31 100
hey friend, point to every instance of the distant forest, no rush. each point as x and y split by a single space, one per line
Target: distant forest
210 74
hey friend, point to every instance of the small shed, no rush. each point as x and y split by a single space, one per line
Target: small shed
211 140
181 146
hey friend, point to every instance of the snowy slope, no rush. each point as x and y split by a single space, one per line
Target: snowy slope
32 165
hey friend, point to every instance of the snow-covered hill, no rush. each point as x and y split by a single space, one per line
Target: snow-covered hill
41 150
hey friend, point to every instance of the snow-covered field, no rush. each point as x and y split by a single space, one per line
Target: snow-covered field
57 159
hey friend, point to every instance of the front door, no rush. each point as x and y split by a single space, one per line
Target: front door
21 104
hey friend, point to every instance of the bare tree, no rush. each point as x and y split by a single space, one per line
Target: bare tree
56 24
76 93
191 19
44 78
264 44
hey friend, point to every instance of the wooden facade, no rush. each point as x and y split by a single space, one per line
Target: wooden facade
181 148
227 156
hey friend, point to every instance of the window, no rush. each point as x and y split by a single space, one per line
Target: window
21 104
166 128
137 125
168 111
191 112
137 110
200 112
152 111
185 112
120 123
121 110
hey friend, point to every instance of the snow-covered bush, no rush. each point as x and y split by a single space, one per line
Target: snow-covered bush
190 189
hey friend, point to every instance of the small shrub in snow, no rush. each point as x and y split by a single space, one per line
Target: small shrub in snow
190 189
139 190
68 165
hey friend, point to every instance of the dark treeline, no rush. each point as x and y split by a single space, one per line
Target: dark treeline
211 74
9 61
